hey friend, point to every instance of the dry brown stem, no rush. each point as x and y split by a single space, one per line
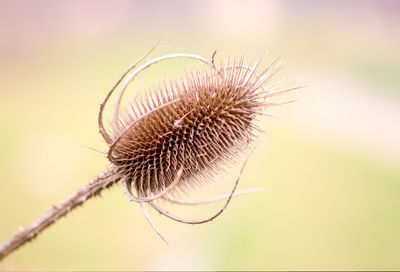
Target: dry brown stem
94 188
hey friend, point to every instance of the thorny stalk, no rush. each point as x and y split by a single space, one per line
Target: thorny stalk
94 188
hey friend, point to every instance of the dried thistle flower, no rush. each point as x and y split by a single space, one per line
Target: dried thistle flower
175 136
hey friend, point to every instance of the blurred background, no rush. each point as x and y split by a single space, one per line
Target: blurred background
330 165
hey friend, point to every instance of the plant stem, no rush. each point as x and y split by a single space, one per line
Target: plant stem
94 188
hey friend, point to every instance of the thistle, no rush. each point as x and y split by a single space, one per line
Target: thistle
175 136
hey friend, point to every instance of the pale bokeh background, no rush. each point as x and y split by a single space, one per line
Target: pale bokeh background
331 166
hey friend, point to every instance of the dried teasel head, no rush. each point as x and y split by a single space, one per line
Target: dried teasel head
185 131
176 136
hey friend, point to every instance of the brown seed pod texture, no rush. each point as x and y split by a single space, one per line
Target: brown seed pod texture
175 136
199 123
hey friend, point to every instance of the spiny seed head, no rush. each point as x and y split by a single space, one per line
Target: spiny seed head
199 123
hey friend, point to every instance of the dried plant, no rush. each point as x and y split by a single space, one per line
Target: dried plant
175 136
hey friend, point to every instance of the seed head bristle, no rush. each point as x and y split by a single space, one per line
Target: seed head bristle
201 123
175 136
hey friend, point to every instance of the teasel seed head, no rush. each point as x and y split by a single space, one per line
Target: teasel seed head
175 136
183 132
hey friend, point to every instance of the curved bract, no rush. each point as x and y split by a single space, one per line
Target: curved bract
187 130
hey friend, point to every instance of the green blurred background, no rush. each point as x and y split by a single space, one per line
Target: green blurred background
330 166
